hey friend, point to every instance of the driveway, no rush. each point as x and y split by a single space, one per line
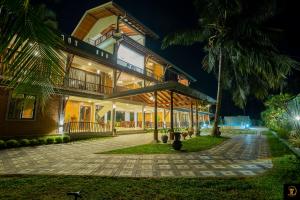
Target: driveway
242 155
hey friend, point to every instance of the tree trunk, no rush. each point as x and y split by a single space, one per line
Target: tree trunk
219 97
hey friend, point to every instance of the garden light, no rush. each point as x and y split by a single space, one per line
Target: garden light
297 117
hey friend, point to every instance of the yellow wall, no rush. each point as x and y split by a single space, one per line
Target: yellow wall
72 110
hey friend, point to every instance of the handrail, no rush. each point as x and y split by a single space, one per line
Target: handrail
86 127
146 71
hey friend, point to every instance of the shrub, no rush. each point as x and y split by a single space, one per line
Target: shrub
50 140
2 144
66 138
24 142
12 143
42 141
283 133
34 142
58 140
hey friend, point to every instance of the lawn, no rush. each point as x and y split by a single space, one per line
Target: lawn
190 145
232 131
268 186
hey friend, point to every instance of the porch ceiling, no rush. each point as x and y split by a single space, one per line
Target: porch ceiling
182 95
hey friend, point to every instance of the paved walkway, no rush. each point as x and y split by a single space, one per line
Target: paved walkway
243 155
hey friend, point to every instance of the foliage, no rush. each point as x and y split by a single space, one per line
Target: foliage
24 142
58 140
29 46
34 142
12 143
66 138
50 140
41 140
274 116
239 48
293 114
2 144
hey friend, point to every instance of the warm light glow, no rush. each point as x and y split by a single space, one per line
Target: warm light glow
131 57
297 117
120 82
89 101
89 64
150 64
114 106
151 98
98 71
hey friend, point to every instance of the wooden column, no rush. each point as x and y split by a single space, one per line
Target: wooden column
114 80
171 117
155 117
191 118
197 119
113 118
143 116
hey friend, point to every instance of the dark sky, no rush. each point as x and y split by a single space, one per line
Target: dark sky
164 17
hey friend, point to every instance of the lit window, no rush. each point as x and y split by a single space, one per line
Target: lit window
21 107
129 56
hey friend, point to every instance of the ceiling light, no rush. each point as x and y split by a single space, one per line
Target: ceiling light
89 63
98 71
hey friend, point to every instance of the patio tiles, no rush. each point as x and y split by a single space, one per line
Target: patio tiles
242 155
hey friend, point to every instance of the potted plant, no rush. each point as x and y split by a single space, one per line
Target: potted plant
164 137
177 143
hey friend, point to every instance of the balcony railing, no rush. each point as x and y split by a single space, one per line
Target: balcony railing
145 71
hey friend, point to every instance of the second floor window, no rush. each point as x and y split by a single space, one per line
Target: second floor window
21 106
131 57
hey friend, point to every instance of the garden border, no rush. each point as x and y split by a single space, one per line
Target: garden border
295 150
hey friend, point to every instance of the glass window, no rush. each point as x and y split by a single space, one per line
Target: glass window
21 106
131 57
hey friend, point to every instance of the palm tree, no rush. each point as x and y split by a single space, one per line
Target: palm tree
238 47
30 59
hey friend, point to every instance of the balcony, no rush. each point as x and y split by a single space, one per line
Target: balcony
145 71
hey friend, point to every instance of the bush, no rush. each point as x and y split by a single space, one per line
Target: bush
50 140
34 142
283 133
12 143
58 140
2 144
66 139
42 141
24 142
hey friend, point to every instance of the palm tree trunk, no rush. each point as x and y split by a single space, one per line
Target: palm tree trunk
219 96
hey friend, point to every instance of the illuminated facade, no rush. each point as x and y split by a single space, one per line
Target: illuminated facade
113 82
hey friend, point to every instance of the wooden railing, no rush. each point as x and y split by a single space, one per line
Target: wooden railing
101 38
86 127
88 86
146 71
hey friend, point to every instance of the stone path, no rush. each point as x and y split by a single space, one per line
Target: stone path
243 155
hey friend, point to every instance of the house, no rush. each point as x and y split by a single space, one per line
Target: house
113 83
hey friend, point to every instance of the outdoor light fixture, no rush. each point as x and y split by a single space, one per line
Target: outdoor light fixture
151 98
89 64
297 117
98 71
114 106
89 101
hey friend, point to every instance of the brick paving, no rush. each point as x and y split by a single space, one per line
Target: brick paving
242 155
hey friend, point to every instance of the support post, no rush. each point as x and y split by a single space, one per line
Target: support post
114 80
155 117
143 116
171 117
191 119
197 119
113 119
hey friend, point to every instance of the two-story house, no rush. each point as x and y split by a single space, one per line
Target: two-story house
113 82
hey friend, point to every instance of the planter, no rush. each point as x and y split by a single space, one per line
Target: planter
164 138
184 135
177 143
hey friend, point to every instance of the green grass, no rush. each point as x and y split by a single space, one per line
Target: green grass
267 186
191 145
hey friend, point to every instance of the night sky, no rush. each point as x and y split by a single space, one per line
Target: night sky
164 17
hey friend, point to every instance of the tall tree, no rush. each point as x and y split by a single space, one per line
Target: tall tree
239 48
29 49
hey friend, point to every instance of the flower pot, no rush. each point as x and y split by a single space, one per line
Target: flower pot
190 133
177 136
164 138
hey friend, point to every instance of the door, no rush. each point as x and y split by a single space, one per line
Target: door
85 118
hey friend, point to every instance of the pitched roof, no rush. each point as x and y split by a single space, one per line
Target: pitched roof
91 16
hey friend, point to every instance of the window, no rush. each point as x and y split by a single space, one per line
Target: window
21 106
129 56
